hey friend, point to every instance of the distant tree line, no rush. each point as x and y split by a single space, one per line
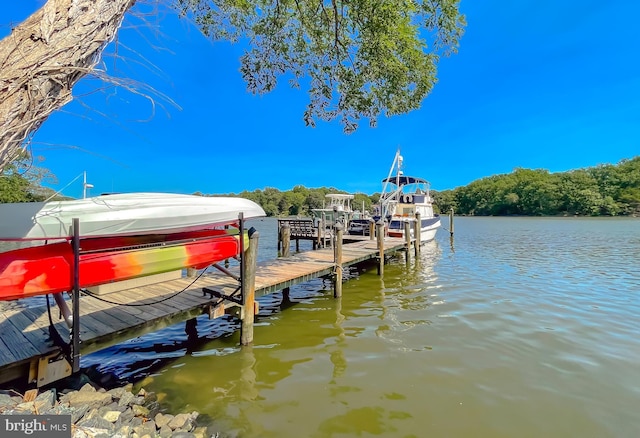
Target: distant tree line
603 190
301 200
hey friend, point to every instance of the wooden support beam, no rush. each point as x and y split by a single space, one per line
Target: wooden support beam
380 234
451 222
337 282
285 232
416 234
248 315
407 238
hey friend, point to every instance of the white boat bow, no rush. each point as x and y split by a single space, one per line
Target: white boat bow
121 215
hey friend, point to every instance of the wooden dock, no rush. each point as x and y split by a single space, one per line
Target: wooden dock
27 351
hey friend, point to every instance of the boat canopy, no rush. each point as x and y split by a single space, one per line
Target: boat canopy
404 180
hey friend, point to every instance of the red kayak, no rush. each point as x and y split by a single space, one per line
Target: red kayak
49 268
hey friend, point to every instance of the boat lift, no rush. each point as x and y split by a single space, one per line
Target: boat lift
67 361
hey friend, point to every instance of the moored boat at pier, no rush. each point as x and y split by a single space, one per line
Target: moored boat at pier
403 199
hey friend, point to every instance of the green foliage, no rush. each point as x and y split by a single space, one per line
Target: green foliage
358 58
300 200
21 181
602 190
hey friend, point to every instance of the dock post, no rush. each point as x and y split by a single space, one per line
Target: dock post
316 243
407 238
75 329
279 237
297 245
285 231
337 259
249 259
451 221
372 230
380 234
417 234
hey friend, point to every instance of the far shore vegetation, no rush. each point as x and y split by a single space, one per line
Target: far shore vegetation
603 190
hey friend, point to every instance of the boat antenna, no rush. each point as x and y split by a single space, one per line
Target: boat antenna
85 185
397 160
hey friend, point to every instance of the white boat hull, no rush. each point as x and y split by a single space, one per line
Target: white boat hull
427 233
121 215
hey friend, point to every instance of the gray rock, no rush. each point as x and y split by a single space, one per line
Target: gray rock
95 422
91 413
78 413
87 387
104 409
126 399
162 419
145 429
165 432
61 410
93 399
126 416
124 430
92 432
26 407
181 421
201 432
46 400
140 411
136 421
6 402
183 435
111 416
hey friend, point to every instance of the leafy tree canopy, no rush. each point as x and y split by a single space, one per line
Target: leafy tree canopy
21 181
360 58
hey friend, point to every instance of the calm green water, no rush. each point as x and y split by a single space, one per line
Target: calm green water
519 327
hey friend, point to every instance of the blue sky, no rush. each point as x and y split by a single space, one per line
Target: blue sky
536 84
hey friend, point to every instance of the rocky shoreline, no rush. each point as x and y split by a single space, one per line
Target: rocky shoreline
100 413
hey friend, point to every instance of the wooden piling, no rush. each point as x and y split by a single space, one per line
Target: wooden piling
380 234
372 230
323 230
451 221
279 237
407 238
417 234
285 232
249 277
337 282
317 243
